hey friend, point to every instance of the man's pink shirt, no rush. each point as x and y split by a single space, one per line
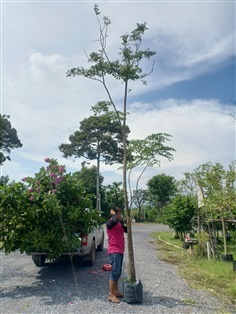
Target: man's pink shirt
116 239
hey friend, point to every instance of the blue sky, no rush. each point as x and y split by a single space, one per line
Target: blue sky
218 84
189 94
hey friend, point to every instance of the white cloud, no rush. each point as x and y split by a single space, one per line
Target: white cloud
202 131
42 41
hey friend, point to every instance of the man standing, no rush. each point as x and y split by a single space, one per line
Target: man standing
116 248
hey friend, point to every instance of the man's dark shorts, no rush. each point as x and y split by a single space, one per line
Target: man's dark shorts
116 260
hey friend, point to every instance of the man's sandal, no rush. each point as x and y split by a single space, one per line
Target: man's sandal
113 299
119 295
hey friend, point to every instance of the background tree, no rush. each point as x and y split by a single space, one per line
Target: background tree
88 177
114 195
8 138
187 186
4 180
219 190
140 197
162 189
124 69
99 137
179 213
146 153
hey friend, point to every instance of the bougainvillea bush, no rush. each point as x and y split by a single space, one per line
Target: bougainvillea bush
45 213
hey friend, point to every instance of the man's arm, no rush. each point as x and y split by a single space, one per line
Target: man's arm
112 222
124 226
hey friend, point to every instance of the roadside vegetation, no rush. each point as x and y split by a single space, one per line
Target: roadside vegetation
214 276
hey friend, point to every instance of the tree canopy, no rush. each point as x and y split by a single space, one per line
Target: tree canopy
8 138
179 213
38 213
99 137
219 189
162 187
146 153
114 195
88 176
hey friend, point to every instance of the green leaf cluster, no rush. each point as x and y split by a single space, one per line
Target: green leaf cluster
146 152
45 213
126 67
114 195
99 137
162 189
8 138
179 213
219 189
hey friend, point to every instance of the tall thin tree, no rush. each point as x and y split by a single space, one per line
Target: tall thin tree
124 69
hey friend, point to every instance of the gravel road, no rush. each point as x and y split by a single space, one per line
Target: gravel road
66 287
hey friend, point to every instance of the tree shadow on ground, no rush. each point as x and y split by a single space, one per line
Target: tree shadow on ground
61 281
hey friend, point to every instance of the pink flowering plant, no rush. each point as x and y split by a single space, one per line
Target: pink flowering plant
45 213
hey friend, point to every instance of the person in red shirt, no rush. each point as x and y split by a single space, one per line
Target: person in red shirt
116 247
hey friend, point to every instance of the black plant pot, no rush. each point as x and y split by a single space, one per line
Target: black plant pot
186 245
227 257
234 265
133 292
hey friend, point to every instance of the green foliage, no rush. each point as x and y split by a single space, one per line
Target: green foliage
219 190
200 249
140 197
126 67
114 195
146 152
216 277
45 213
179 213
8 138
187 186
88 176
99 137
162 188
4 180
151 214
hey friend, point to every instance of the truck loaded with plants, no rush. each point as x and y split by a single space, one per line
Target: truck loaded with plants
49 215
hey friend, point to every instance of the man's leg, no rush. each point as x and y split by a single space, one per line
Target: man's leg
112 297
119 262
112 282
116 291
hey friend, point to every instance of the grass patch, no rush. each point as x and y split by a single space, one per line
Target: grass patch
216 277
189 301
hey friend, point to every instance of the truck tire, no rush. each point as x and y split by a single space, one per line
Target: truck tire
90 258
101 245
39 260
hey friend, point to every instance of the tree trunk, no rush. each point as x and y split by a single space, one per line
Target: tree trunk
215 240
198 221
98 183
131 270
211 240
139 212
224 236
131 267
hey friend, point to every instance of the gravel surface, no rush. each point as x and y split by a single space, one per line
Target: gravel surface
66 287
